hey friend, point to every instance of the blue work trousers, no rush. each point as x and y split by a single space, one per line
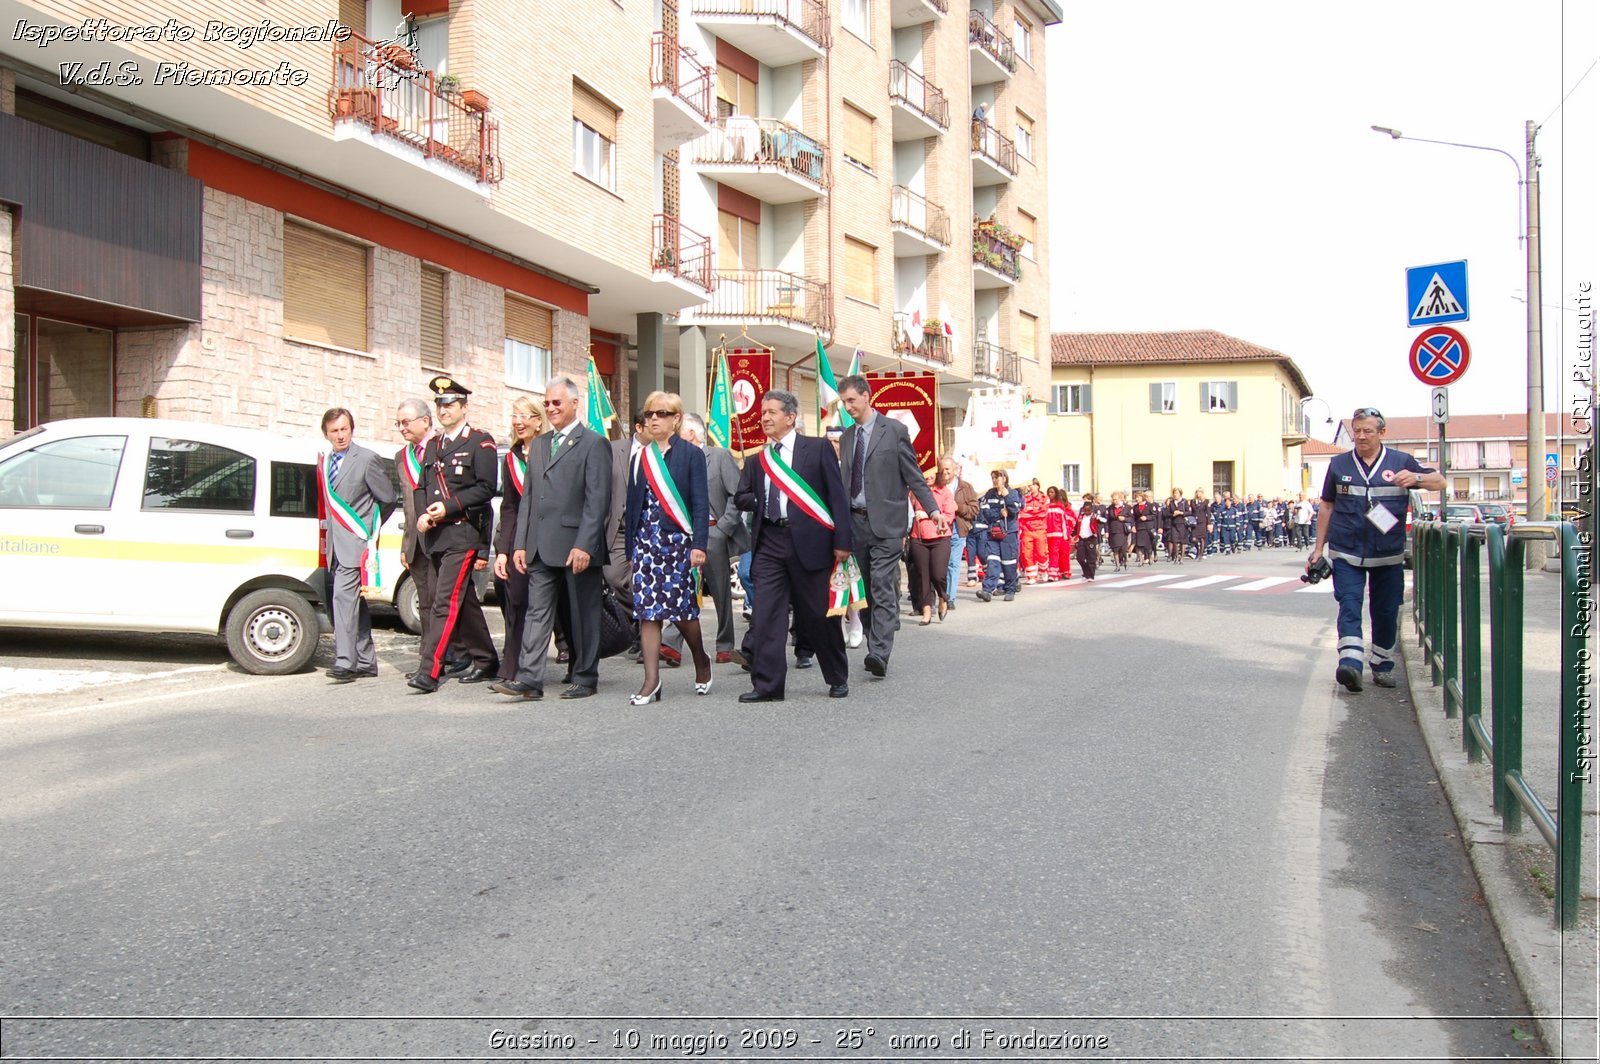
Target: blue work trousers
1384 585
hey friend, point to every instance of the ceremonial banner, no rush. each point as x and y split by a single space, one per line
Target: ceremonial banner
750 374
719 419
998 435
913 400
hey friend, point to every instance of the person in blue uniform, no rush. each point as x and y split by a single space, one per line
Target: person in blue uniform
998 509
1361 529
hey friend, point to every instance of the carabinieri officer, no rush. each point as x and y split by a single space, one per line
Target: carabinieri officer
459 477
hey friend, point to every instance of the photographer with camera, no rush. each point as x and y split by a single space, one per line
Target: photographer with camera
1362 529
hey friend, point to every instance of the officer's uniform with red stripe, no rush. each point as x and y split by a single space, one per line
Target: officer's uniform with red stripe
463 475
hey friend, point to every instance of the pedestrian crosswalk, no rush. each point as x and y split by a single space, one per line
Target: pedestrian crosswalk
1132 580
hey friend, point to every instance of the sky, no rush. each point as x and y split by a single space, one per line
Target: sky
1212 166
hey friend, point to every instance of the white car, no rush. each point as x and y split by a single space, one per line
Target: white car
135 524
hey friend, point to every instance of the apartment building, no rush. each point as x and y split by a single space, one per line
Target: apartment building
207 213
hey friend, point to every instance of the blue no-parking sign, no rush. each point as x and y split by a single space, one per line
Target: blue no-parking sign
1436 294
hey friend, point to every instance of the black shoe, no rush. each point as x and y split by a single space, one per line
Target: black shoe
455 667
1349 676
756 696
577 691
518 689
984 596
803 663
1384 679
482 675
1011 596
424 683
876 665
343 675
740 658
839 690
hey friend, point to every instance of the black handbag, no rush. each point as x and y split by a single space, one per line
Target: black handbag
617 627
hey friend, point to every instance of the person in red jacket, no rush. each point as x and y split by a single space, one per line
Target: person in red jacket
1034 552
1059 525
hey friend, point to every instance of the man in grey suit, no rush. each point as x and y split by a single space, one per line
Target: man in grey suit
358 496
727 539
561 543
880 476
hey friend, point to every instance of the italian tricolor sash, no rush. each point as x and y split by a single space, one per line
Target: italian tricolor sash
797 490
655 472
413 467
346 517
517 470
846 589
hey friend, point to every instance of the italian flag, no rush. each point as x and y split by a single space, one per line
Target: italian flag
655 472
413 467
798 491
827 388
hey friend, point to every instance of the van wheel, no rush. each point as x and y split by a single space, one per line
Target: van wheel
409 604
272 632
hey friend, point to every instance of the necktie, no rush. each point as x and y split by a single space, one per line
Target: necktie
555 443
858 466
773 511
333 466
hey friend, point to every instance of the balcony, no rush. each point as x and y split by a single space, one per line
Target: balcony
763 157
920 227
775 306
920 108
995 363
379 93
995 251
679 253
993 56
682 92
903 13
994 156
778 33
918 341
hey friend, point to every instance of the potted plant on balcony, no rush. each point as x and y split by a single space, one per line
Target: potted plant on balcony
449 85
473 100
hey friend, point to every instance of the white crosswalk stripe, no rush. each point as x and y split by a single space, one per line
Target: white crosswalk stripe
1204 581
1264 583
1323 587
1120 584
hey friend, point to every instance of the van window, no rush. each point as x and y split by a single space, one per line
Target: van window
189 475
76 474
294 489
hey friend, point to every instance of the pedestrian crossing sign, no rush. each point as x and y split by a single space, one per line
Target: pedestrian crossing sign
1437 294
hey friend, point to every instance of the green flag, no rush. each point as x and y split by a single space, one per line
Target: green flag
599 413
827 388
719 422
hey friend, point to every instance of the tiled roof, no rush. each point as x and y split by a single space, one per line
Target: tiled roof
1317 449
1463 427
1159 348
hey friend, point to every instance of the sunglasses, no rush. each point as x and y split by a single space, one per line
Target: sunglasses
648 414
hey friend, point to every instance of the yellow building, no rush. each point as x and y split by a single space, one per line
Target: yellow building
1157 411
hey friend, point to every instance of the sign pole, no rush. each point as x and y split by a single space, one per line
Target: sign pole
1444 470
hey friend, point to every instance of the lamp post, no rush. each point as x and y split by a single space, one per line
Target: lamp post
1530 186
1305 422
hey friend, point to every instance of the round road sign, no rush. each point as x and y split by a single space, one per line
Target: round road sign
1439 356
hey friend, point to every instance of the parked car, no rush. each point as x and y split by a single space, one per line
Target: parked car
1469 512
1500 513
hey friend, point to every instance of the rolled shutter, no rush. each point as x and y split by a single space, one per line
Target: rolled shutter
529 323
593 111
432 341
324 288
858 135
860 270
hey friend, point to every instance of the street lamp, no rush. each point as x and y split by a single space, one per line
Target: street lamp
1530 185
1305 422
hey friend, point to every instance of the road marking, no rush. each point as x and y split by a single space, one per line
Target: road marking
1203 581
164 696
25 681
1144 580
1264 583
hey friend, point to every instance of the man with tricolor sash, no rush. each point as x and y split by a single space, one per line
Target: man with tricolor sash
800 534
357 496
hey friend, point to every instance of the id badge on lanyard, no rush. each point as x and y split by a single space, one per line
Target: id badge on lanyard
1382 518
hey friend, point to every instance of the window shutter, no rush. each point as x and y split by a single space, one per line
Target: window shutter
594 112
1233 396
1087 407
1029 335
860 270
1205 398
858 135
324 288
432 316
1155 398
1057 398
529 323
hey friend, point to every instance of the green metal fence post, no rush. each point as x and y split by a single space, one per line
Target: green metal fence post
1471 644
1508 743
1449 586
1498 641
1575 724
1435 604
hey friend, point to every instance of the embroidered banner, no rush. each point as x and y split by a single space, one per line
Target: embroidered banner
750 376
913 400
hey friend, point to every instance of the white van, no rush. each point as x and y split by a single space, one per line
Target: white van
135 524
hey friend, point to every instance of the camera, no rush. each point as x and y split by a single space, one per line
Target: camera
1317 573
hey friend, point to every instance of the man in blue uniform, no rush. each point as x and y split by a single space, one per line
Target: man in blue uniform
1362 529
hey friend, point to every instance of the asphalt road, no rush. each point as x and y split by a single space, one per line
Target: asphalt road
1139 822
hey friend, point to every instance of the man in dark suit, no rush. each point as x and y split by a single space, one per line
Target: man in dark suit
358 497
561 543
881 471
792 486
728 537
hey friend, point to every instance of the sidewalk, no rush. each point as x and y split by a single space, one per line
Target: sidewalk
1559 972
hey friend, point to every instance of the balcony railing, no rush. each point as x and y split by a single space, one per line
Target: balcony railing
809 17
911 87
913 339
911 210
994 146
379 86
984 34
682 252
770 295
996 252
763 142
675 67
995 362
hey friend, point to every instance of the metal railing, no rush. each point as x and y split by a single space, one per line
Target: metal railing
918 93
742 140
381 87
909 339
1447 605
675 67
911 210
810 17
991 251
994 146
770 295
679 250
996 362
986 35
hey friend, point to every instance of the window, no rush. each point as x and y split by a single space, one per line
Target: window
1222 477
1028 335
1143 477
1069 399
530 331
433 344
76 474
1433 455
188 475
1219 397
1027 227
1071 478
594 136
860 133
324 288
1024 131
858 18
1163 397
738 242
1491 487
860 270
294 490
1022 38
736 94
